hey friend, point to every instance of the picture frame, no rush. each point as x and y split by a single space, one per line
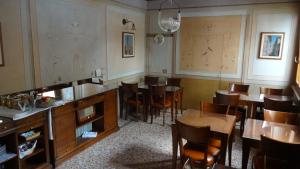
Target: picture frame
271 45
128 44
1 48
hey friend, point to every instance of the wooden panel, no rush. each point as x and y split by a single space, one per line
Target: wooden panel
210 44
110 110
89 101
64 131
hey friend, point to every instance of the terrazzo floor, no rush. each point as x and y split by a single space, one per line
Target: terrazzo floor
137 145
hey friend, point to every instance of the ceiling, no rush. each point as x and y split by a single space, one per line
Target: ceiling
154 4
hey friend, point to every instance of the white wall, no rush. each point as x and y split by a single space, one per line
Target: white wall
12 74
117 66
259 18
71 39
55 41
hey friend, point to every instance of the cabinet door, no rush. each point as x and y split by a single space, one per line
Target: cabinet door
64 127
110 110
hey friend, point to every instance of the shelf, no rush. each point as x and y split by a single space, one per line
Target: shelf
35 138
35 152
7 156
80 140
37 165
97 117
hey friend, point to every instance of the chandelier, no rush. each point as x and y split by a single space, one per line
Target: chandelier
169 24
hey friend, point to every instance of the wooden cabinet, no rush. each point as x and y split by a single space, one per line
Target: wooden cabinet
64 126
67 130
110 110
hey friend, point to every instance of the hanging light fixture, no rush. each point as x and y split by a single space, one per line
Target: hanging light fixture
170 24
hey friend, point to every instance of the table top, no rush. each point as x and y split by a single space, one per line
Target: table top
259 98
278 131
218 122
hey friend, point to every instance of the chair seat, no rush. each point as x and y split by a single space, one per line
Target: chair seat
133 101
197 155
162 104
213 151
215 142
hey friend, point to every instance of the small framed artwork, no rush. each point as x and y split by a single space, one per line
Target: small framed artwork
1 48
271 44
127 44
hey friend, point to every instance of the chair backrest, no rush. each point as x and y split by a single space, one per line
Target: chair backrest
281 151
271 91
158 93
238 88
151 80
227 99
214 108
129 89
194 135
285 106
173 81
280 117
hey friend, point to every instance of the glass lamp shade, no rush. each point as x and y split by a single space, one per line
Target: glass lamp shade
170 24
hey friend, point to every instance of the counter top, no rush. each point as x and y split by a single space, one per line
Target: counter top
61 96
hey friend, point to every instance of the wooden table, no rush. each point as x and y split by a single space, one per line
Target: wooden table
221 126
173 90
278 131
252 100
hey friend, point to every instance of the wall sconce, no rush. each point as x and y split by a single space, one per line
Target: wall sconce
126 21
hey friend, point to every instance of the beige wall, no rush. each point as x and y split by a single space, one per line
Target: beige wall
256 72
12 74
116 65
66 41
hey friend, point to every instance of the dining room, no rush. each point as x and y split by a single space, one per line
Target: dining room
149 84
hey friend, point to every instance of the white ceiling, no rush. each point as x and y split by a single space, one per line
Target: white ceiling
154 4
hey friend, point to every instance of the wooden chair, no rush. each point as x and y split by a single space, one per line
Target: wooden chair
214 108
159 101
238 88
280 117
266 91
197 148
151 80
176 82
233 101
132 97
173 81
285 106
275 154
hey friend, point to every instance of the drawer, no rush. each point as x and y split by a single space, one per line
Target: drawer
90 101
41 116
63 108
6 126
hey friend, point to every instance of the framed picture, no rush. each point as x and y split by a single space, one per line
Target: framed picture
1 48
271 44
127 44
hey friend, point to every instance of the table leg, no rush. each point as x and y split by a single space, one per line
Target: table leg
224 141
245 155
232 135
254 107
172 105
175 146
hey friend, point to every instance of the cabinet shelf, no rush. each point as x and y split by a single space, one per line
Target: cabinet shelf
97 117
23 140
6 157
35 152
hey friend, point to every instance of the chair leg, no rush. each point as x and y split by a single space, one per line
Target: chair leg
126 111
151 112
242 124
164 112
